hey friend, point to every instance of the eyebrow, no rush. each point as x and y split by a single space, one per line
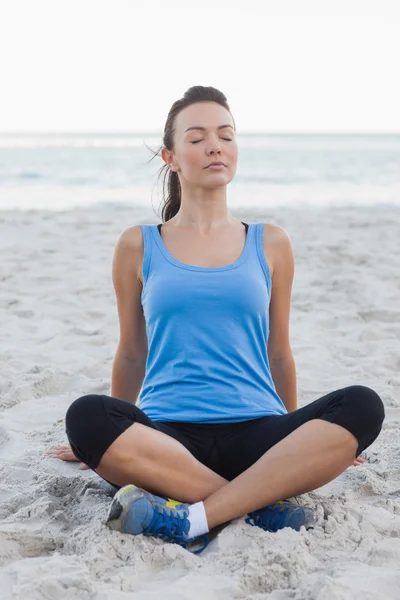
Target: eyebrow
204 128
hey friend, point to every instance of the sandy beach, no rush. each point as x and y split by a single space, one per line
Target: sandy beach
58 335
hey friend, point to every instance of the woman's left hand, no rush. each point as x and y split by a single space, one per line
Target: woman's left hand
359 461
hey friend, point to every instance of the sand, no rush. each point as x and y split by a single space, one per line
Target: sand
58 336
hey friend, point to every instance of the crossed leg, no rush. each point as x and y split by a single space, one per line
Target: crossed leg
308 457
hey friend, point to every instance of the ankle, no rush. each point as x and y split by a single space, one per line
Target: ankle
198 520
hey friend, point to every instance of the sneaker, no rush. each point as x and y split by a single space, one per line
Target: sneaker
136 511
282 514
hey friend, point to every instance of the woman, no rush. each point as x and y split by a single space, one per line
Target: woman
204 307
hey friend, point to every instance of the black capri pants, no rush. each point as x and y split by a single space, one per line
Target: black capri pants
93 423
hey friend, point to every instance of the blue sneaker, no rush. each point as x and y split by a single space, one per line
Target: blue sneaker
282 514
136 511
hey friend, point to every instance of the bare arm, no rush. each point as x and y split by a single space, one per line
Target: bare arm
130 359
284 376
127 378
280 355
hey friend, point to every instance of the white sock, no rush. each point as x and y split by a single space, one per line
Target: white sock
198 520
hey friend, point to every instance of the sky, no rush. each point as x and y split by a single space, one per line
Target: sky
286 66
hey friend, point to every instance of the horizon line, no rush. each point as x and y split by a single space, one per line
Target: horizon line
160 134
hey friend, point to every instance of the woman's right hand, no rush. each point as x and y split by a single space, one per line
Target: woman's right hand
65 453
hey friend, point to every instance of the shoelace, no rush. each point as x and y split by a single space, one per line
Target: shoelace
269 516
169 526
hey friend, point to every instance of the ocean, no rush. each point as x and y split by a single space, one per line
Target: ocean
62 171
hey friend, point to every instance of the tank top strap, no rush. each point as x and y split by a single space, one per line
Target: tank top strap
259 249
147 250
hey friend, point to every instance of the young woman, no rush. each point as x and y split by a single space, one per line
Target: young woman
204 305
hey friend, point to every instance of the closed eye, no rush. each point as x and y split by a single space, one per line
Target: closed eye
197 141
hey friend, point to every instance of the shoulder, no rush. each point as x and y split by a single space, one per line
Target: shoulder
131 238
129 249
278 247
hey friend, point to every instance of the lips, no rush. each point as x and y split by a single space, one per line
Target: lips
216 164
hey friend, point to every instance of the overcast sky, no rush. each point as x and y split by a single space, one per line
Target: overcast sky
118 65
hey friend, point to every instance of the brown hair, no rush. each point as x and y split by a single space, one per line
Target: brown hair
171 185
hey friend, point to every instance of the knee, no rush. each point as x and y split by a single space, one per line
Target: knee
80 415
367 404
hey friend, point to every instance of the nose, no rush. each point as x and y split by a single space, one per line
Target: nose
214 146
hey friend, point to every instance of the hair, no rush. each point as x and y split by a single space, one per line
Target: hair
171 186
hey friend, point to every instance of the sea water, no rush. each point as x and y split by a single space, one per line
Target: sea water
61 171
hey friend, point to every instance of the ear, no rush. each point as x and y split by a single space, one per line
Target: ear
167 157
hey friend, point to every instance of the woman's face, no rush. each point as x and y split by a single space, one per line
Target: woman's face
200 140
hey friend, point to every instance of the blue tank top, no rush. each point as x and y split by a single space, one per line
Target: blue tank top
207 331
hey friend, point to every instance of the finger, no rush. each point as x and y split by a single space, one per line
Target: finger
64 456
59 449
83 466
